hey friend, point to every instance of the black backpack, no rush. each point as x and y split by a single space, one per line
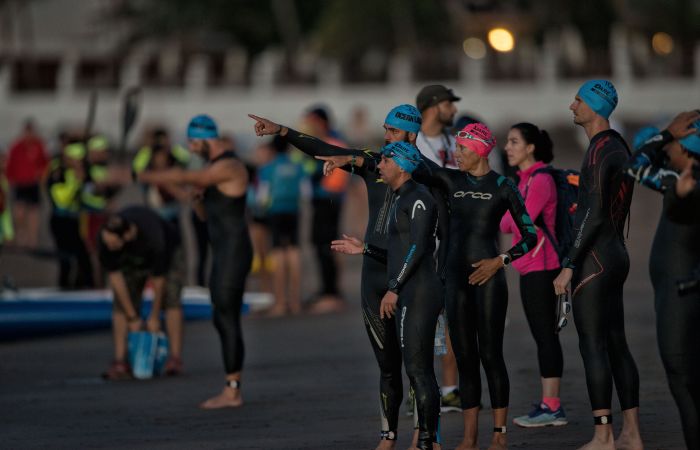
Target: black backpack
566 182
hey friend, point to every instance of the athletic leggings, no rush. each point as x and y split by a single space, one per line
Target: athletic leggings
385 343
539 303
476 317
226 285
674 255
600 323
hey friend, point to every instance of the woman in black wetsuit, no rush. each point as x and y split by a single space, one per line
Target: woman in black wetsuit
476 296
597 267
675 253
222 205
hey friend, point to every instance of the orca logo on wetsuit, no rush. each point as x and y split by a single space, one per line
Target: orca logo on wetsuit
417 205
472 194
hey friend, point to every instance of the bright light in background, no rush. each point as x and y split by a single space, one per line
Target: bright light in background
501 39
662 43
474 48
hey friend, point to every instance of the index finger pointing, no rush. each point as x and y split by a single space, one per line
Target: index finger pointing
254 117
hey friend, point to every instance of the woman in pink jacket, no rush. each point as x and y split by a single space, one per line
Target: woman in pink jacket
530 149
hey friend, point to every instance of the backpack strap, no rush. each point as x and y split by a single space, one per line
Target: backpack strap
540 221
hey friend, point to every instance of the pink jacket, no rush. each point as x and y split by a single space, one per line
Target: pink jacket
540 200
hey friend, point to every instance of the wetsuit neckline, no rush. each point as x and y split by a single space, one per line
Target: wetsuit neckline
405 187
225 154
602 134
479 178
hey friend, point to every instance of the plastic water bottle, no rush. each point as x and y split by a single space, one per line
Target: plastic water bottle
440 343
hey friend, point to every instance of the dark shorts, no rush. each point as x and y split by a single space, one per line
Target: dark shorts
28 194
174 279
284 229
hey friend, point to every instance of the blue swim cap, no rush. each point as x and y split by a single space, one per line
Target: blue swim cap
202 127
600 95
405 117
405 155
692 142
643 135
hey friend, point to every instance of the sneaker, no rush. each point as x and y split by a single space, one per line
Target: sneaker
451 402
410 402
542 416
119 370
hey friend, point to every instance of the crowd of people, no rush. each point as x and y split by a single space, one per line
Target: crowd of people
438 200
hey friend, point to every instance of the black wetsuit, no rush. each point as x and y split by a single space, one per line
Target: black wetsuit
601 264
675 253
380 199
412 275
232 254
476 314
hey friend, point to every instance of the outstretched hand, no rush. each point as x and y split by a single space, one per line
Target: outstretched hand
680 126
348 245
264 127
333 162
485 269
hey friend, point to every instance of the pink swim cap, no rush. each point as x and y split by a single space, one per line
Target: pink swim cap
478 138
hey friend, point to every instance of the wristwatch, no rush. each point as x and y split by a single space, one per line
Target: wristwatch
506 258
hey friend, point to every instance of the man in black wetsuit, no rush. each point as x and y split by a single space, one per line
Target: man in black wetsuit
224 182
134 245
413 284
597 267
401 125
675 254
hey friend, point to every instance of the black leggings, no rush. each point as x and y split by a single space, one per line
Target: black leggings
226 285
540 303
600 323
202 236
385 343
476 316
416 318
72 253
326 217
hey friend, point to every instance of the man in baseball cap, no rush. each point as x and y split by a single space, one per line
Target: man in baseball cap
436 104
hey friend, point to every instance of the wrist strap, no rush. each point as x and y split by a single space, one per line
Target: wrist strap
387 436
234 384
603 420
501 430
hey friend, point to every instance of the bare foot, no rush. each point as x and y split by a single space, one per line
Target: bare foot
386 444
629 442
467 446
327 304
295 310
498 442
276 311
229 398
598 445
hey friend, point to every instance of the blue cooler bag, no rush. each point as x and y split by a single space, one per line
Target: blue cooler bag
147 353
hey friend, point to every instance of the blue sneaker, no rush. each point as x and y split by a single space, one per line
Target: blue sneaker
542 416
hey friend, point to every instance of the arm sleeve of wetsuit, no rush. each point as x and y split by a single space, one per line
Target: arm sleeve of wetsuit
646 164
443 232
421 214
316 147
430 174
685 211
516 207
590 214
376 253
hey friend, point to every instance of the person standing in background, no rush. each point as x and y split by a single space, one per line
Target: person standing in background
327 200
26 164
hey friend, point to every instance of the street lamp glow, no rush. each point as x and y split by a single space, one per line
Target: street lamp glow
501 40
662 43
474 48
